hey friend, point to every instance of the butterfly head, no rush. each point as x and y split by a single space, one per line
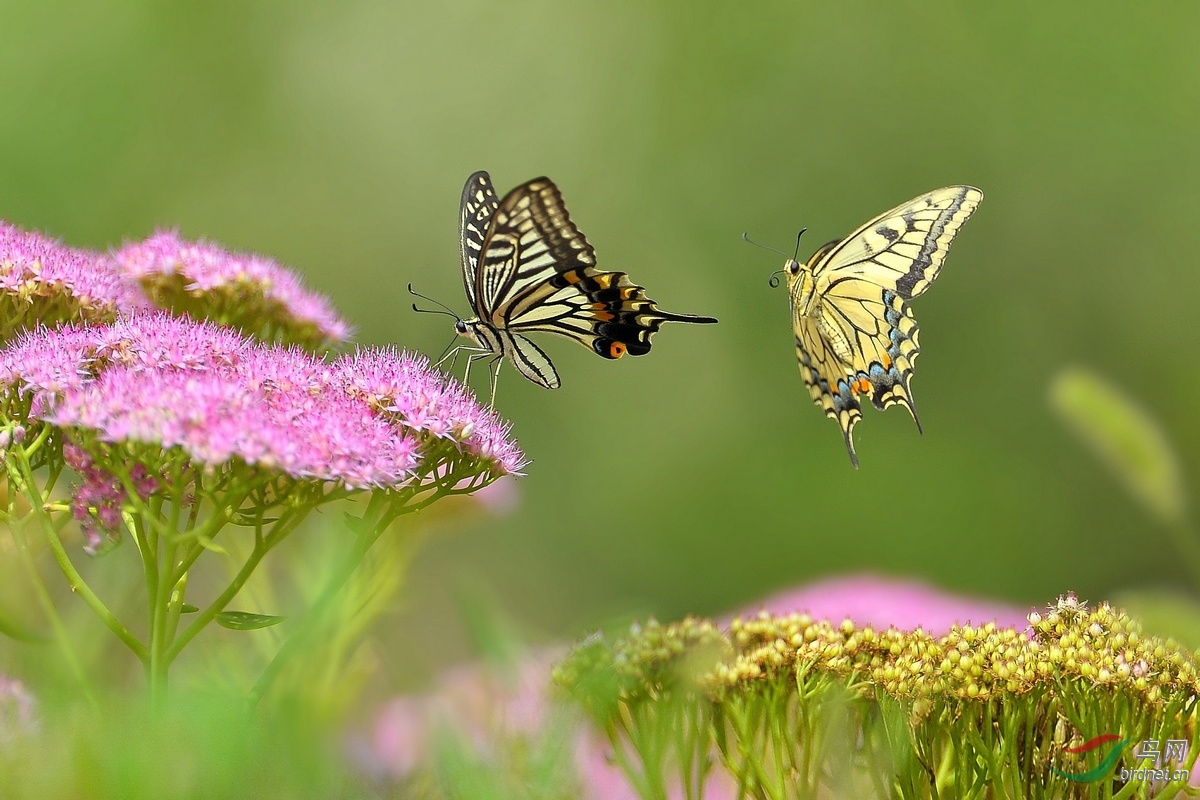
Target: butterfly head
470 329
792 267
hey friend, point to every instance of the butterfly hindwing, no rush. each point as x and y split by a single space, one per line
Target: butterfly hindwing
601 310
855 333
530 360
826 381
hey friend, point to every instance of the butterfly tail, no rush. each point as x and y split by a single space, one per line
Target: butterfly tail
890 382
667 316
849 437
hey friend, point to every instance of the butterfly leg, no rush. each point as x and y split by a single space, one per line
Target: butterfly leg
495 371
452 354
474 354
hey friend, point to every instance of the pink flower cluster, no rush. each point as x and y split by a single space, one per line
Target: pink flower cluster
96 504
34 266
207 268
363 420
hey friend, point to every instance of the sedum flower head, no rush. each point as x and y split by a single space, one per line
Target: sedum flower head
252 293
43 281
135 397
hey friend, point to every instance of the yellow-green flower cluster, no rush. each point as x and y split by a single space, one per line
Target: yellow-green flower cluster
1099 645
991 705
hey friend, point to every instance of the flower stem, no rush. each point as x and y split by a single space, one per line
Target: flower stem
28 487
366 535
16 528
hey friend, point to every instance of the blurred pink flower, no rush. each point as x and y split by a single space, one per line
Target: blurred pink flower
888 602
484 709
18 710
500 498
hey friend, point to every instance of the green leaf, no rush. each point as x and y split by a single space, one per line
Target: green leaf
1124 437
245 621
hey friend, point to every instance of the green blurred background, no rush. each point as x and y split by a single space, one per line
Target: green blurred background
336 137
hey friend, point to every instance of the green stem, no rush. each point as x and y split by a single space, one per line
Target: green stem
366 535
261 546
29 488
47 604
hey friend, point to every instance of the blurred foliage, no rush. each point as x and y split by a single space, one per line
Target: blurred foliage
203 747
1124 438
335 137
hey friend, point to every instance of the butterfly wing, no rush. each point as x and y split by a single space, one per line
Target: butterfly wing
859 340
530 360
860 337
824 375
538 273
475 215
902 249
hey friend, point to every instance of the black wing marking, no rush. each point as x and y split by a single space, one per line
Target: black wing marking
475 216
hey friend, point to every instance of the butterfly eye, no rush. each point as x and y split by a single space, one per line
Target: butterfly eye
793 266
461 327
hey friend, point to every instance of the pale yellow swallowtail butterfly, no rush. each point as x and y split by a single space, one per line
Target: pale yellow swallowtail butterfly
855 334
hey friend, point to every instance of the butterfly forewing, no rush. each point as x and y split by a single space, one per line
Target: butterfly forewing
479 203
858 336
904 248
530 240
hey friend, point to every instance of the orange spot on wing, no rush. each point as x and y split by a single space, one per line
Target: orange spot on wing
616 349
571 277
604 280
887 362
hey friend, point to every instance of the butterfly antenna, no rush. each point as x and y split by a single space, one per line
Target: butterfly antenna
746 238
414 292
796 255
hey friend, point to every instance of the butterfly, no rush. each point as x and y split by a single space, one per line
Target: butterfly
527 269
855 334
